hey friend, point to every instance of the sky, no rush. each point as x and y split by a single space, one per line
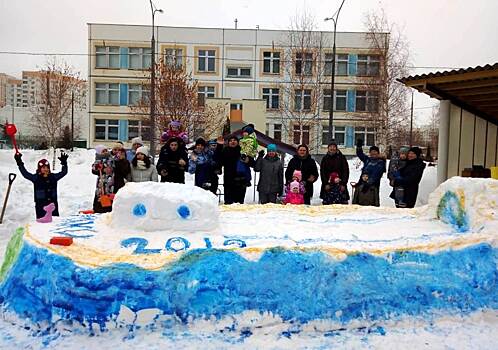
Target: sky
441 33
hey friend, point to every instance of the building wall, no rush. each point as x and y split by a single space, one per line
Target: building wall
472 141
234 48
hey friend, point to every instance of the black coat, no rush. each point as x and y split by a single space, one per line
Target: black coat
168 160
228 157
336 163
409 179
307 166
122 169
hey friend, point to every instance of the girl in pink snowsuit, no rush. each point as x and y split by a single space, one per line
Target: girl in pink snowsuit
295 190
175 130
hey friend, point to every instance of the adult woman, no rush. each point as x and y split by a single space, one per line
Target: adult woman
121 166
410 175
141 167
172 162
271 180
303 162
334 162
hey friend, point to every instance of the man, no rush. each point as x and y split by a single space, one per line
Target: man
136 142
373 164
334 162
303 162
410 175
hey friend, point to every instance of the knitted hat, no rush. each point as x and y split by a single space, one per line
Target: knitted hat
374 148
212 142
298 174
416 150
99 149
41 164
137 141
144 150
249 128
271 147
294 185
117 145
233 138
200 141
164 137
333 176
175 124
404 149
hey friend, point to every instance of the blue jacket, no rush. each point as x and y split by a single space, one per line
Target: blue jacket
202 167
45 188
375 168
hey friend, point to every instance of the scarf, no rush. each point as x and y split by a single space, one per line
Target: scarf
141 165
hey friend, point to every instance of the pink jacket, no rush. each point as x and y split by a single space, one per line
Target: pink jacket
294 198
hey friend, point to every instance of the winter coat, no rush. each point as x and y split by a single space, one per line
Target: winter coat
394 165
130 154
122 169
228 157
103 167
168 160
373 167
409 178
335 195
182 135
45 188
249 145
142 174
307 166
294 198
271 179
366 194
334 163
202 166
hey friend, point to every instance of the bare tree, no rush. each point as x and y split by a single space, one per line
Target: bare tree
51 110
301 89
177 98
392 112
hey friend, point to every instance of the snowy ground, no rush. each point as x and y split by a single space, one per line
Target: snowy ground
76 193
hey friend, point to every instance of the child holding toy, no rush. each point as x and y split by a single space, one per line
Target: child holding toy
295 190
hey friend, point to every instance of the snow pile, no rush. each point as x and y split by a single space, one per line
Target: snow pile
153 206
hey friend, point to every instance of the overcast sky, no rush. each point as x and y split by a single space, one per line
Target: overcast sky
441 33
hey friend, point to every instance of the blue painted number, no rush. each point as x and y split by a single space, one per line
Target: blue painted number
140 244
173 240
234 241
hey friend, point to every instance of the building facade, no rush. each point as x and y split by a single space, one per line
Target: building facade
245 68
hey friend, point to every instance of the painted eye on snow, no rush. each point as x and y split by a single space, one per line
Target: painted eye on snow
183 211
139 210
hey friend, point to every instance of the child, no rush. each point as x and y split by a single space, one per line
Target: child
366 193
248 148
175 130
45 183
200 164
334 192
104 169
295 190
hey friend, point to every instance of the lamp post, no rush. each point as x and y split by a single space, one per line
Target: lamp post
334 19
152 97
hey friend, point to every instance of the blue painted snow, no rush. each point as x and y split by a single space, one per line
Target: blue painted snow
139 210
183 211
296 285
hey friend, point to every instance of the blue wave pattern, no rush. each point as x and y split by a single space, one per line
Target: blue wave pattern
296 285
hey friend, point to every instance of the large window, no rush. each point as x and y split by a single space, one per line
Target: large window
304 63
367 101
368 65
340 100
301 134
107 94
138 128
137 93
140 57
204 92
271 62
339 135
106 129
173 57
277 132
302 100
271 96
365 134
341 64
107 57
206 60
238 72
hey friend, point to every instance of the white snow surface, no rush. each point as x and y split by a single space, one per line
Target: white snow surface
76 191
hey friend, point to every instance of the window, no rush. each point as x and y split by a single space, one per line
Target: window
304 63
107 94
138 128
271 62
365 134
301 134
340 100
107 57
174 57
277 132
206 61
339 135
204 92
137 93
368 65
235 106
302 100
326 99
140 57
106 129
341 66
367 101
271 95
241 72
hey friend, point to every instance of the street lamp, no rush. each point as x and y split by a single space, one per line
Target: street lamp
153 84
334 19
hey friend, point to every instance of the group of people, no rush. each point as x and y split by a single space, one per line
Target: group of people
234 159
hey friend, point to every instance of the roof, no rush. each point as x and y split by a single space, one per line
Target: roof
474 89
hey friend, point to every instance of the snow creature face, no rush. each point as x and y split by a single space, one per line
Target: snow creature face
152 206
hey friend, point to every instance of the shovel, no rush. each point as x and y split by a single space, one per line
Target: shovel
12 177
10 130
